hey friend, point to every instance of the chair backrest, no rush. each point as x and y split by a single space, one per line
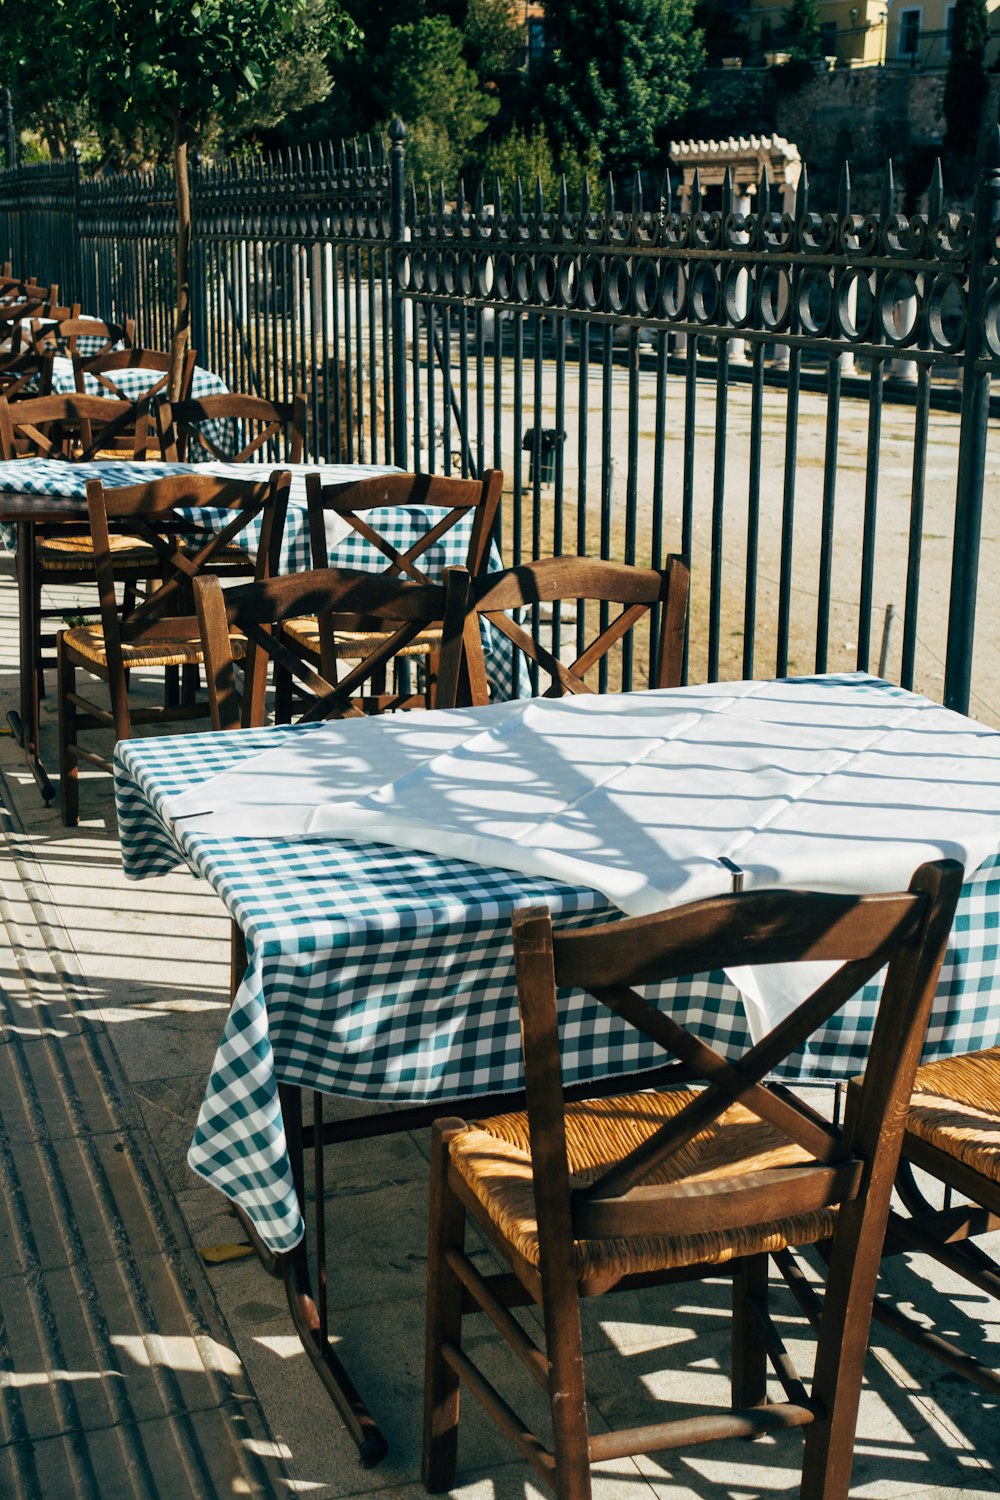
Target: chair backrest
73 427
24 376
269 431
105 371
581 580
394 611
64 334
637 1195
472 502
148 510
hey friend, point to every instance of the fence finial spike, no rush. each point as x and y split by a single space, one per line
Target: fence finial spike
480 199
636 195
764 191
609 194
369 158
460 201
585 196
844 191
412 195
497 196
428 197
442 200
727 191
696 192
666 192
539 196
935 192
563 196
888 195
802 193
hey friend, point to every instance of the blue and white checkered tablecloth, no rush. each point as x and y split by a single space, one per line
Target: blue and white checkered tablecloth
401 525
388 974
136 382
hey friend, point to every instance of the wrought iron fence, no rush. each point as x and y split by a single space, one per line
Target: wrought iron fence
799 401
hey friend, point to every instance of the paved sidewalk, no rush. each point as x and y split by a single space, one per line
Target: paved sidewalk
131 1369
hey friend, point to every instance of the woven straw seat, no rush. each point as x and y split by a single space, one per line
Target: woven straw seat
350 644
74 552
956 1108
495 1160
86 643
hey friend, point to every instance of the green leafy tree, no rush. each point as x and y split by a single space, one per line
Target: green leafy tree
620 71
41 62
528 155
800 35
431 87
965 84
167 67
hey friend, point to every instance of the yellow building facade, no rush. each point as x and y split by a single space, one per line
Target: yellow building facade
875 33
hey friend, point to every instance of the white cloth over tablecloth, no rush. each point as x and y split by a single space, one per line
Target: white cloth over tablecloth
653 797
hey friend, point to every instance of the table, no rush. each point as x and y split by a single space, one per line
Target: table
387 974
44 491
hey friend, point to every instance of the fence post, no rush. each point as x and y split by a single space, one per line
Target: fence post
397 169
972 440
10 134
77 238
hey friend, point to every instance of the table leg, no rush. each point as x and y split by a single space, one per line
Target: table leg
25 722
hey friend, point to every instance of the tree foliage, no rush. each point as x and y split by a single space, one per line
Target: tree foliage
800 33
620 71
41 61
965 84
431 87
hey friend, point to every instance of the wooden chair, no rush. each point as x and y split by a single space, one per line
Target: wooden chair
554 581
395 608
270 431
113 648
325 641
584 1199
24 376
80 428
953 1135
64 334
105 371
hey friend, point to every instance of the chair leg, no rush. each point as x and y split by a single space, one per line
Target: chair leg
283 684
444 1319
567 1393
69 780
749 1374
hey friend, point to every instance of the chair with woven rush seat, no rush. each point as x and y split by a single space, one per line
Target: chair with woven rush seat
111 649
557 580
105 371
583 1199
385 500
266 431
396 610
953 1135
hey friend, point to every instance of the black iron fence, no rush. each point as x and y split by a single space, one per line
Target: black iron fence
798 400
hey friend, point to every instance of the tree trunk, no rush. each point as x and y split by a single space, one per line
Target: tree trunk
182 315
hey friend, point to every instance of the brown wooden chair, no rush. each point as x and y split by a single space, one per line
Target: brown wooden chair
326 641
112 649
269 431
24 376
587 1198
105 372
74 427
396 609
556 582
953 1136
63 334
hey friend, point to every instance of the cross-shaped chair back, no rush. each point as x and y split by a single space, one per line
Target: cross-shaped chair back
393 611
63 334
105 371
73 427
858 934
472 502
25 375
266 431
555 581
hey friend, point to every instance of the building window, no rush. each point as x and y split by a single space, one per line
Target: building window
536 37
909 33
949 28
828 38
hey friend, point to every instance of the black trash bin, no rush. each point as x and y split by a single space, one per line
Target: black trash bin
543 442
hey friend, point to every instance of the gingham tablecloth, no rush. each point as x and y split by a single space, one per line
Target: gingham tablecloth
400 525
136 382
388 975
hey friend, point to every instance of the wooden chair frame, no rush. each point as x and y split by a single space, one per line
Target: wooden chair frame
180 423
65 334
851 1170
148 511
397 609
25 376
552 580
99 421
103 368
